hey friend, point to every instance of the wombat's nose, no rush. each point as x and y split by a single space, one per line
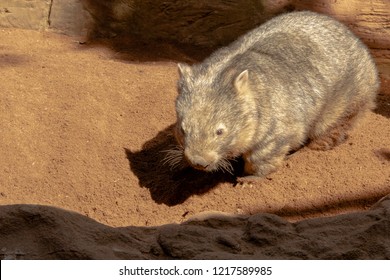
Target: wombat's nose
199 166
196 161
199 163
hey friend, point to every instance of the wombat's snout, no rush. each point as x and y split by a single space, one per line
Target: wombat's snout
201 162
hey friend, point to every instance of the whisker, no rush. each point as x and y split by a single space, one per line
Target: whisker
173 157
225 165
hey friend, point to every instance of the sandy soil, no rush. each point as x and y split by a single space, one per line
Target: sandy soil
83 127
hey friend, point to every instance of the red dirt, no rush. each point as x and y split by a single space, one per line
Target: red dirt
83 127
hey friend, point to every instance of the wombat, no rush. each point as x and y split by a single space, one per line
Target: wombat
300 78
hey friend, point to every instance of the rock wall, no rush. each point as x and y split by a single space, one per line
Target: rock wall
69 17
32 14
213 23
41 232
64 16
197 22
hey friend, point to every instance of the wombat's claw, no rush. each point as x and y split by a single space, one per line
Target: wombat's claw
248 180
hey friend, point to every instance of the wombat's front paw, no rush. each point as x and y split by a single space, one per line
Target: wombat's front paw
251 179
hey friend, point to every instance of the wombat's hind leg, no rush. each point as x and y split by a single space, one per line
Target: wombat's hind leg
336 134
328 140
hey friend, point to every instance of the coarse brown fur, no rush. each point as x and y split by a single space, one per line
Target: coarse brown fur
300 78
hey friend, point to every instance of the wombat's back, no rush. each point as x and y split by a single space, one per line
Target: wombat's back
330 46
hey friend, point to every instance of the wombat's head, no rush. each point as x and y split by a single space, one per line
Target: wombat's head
212 117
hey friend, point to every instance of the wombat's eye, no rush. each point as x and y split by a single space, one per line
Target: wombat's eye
220 129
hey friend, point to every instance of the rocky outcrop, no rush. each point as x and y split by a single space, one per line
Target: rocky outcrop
213 23
41 232
64 16
33 14
195 22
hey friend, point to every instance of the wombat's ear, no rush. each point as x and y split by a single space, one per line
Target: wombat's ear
184 70
241 81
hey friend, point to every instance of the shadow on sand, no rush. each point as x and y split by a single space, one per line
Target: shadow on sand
167 186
